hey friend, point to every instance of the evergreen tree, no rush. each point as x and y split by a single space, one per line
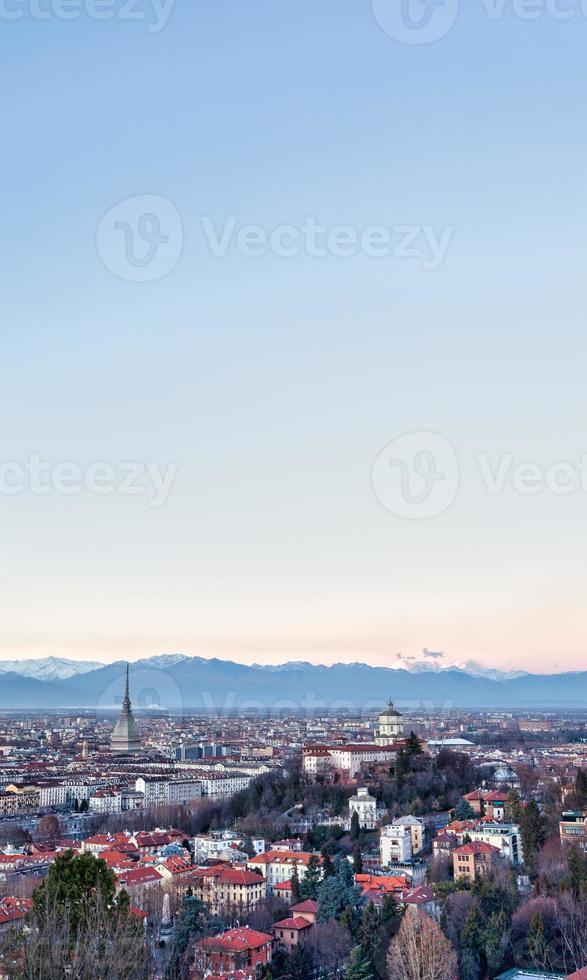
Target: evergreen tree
473 961
357 859
390 919
577 873
336 893
296 889
581 787
80 883
358 966
513 808
537 943
370 925
532 834
413 745
327 866
402 767
497 936
355 826
312 879
464 811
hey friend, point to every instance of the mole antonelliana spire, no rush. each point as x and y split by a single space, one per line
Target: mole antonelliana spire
126 737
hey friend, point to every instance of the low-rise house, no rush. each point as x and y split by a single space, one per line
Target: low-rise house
297 926
308 909
13 912
278 866
237 949
284 891
227 891
291 844
138 882
444 844
422 898
573 828
365 807
490 804
414 870
375 887
474 859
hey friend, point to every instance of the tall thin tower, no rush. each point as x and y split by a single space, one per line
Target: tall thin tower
126 737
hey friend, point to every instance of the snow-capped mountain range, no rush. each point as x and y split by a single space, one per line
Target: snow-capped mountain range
471 667
48 668
174 681
60 668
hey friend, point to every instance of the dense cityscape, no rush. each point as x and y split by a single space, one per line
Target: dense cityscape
403 845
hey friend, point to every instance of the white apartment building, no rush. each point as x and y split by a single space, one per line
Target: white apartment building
416 828
223 844
82 789
505 836
182 790
52 794
220 785
346 758
132 799
155 790
365 806
106 801
395 844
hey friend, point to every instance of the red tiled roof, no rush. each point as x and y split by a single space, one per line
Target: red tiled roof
422 895
476 847
308 906
381 883
284 857
238 876
139 876
294 922
237 940
177 865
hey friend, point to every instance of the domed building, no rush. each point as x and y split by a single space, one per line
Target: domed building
126 737
390 726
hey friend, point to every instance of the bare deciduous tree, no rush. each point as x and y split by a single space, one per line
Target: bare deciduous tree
421 951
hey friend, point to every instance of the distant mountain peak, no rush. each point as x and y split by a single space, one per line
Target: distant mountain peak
48 668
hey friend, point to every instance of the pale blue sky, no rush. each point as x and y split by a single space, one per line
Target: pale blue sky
273 382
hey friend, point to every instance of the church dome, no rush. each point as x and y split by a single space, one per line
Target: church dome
390 713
